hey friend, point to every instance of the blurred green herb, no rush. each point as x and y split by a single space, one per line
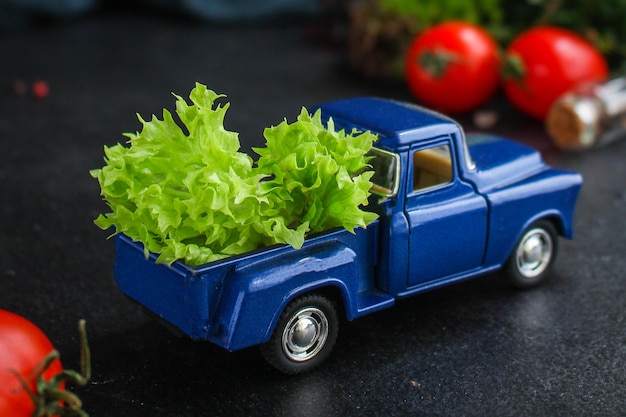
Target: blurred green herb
428 13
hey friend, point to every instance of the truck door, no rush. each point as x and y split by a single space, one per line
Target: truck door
447 219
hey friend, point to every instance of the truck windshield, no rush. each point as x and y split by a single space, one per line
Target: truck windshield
386 167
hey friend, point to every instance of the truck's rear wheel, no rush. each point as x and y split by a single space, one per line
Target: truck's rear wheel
533 256
304 336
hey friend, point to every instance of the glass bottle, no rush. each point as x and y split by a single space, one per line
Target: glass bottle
591 116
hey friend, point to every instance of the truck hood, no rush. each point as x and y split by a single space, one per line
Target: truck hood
499 161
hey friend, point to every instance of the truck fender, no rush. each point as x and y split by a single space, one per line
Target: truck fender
335 289
553 216
548 195
257 294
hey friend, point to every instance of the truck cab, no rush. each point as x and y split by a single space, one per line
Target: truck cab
433 220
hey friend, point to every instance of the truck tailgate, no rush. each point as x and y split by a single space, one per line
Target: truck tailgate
177 294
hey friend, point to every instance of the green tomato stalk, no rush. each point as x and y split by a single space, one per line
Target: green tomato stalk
50 397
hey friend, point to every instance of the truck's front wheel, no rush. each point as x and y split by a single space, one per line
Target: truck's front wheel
304 336
533 256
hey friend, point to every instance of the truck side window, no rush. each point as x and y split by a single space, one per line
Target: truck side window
432 167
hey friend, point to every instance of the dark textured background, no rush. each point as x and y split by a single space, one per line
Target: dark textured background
478 348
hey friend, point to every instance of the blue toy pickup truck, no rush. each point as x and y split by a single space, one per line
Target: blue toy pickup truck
451 208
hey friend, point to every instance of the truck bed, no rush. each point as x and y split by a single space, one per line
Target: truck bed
202 301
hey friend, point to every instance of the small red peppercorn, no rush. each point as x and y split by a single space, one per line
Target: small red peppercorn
40 89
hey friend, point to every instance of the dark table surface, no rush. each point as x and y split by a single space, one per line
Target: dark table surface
478 348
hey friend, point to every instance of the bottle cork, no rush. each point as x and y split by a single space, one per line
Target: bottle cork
590 116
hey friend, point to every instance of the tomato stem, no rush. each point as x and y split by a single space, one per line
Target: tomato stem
50 397
513 68
436 62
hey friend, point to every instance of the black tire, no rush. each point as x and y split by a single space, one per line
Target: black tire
533 256
304 336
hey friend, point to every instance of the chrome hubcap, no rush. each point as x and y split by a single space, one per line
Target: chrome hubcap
305 334
534 253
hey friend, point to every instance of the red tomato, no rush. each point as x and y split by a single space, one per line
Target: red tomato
453 67
551 61
22 347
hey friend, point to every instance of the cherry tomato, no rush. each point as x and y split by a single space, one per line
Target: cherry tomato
545 62
453 67
22 348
